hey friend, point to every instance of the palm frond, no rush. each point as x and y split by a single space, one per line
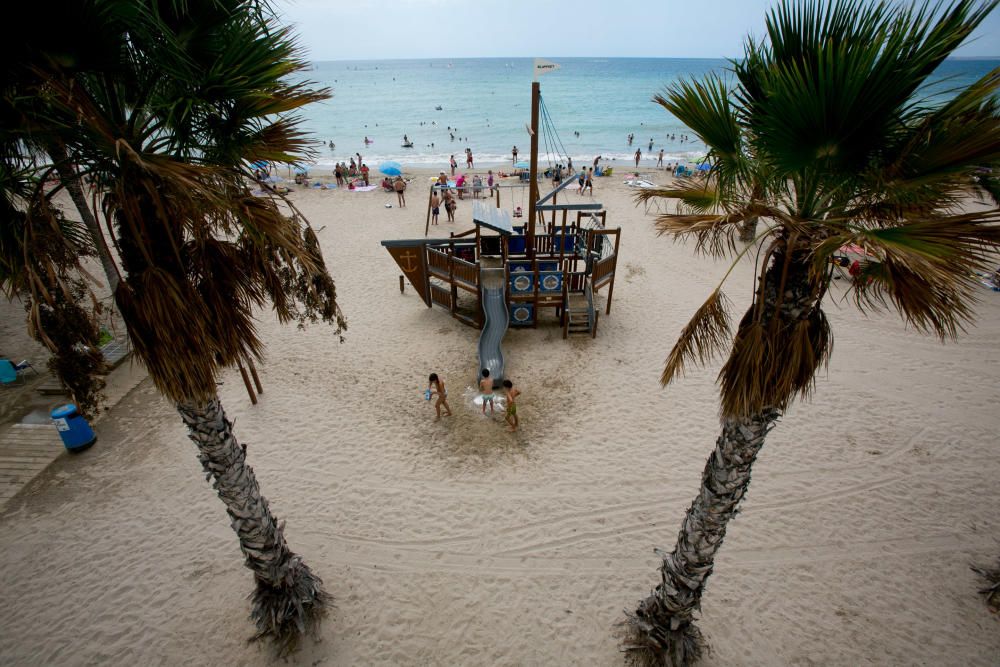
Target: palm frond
705 107
701 339
771 365
927 269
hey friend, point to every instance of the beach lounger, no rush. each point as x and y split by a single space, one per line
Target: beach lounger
643 184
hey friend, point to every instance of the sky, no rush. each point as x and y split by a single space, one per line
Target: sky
389 29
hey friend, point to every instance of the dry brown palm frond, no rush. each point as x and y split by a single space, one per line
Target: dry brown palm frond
716 234
702 338
168 326
991 592
932 305
229 288
741 374
771 365
927 269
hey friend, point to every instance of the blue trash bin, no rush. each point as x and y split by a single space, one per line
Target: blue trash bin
74 430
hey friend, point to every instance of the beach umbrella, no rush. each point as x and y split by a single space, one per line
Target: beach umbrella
704 166
300 168
260 164
522 165
391 168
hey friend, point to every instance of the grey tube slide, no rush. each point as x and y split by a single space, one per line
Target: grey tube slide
494 328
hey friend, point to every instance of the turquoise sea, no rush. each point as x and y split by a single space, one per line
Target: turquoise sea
488 100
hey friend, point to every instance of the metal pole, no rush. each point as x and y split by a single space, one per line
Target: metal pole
427 224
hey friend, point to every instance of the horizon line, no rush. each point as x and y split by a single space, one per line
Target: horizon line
453 58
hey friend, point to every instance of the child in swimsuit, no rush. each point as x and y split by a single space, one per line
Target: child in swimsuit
512 394
486 387
436 387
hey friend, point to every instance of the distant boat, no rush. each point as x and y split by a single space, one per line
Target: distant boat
408 144
437 108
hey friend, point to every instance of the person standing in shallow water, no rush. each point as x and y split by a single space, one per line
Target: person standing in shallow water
513 153
486 388
638 156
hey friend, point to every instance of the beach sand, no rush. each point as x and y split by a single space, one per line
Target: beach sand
457 543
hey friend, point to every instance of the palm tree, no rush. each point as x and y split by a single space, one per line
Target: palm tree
827 130
162 105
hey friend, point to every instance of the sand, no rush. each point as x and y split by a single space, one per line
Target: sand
457 543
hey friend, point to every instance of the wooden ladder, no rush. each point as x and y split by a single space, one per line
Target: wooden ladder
577 315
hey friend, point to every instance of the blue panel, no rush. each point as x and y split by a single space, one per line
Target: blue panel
568 241
548 266
519 266
521 282
516 245
522 314
550 282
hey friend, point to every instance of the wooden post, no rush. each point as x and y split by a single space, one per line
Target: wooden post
611 287
401 284
256 378
246 382
533 184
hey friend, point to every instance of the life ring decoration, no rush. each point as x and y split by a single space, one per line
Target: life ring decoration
550 283
522 284
522 314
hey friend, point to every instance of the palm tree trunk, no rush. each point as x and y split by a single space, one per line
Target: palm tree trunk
71 180
748 230
289 598
662 626
665 619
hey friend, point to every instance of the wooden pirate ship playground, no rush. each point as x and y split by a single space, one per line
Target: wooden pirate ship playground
499 274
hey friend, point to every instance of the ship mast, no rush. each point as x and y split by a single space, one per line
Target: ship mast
533 182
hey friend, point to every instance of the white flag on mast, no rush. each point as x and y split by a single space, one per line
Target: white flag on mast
542 66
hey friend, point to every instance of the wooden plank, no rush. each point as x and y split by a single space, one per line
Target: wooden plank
571 179
570 207
44 460
24 467
5 453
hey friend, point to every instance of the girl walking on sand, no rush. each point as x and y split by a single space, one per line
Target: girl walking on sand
436 387
511 413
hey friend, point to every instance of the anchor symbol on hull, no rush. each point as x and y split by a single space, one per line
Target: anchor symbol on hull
406 261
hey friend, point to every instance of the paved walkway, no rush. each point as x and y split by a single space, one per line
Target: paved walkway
25 450
28 446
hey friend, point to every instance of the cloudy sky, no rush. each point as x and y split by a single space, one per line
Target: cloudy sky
385 29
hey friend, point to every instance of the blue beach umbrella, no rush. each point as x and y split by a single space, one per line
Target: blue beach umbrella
522 165
300 168
259 164
704 166
391 168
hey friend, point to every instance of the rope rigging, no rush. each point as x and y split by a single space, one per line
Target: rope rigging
551 135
